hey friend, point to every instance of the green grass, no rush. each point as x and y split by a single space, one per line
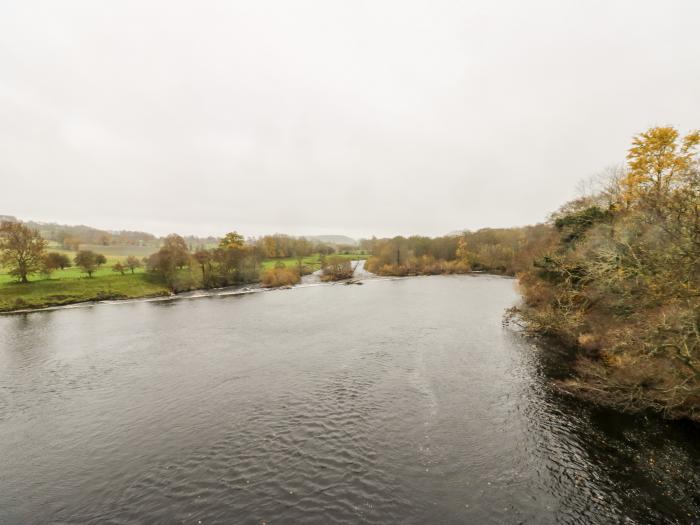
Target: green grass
313 261
73 286
71 273
113 254
54 292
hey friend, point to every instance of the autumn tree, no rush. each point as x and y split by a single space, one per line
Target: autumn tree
100 259
658 162
52 261
176 250
278 246
336 267
497 250
172 256
119 268
664 181
298 252
55 260
232 240
132 263
462 252
204 259
46 269
71 243
255 257
229 262
86 260
21 249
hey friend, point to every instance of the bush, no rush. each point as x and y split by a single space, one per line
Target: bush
336 268
279 276
425 265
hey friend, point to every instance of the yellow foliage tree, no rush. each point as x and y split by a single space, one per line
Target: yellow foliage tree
657 161
231 240
462 250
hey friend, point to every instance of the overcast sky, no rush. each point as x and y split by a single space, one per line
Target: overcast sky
349 117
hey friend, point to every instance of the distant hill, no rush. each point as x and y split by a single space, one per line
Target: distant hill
94 236
332 239
81 234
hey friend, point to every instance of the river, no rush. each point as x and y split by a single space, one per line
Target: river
399 401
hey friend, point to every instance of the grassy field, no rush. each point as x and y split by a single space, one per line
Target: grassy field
54 292
312 261
73 272
118 251
72 286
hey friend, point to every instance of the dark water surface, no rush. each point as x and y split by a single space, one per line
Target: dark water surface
400 401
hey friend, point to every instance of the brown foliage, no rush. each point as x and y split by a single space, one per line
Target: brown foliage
119 268
336 268
87 261
279 276
622 285
22 249
503 251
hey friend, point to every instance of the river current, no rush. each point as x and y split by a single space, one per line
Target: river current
399 401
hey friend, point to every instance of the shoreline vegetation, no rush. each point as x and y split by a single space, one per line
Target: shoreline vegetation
619 284
38 272
613 276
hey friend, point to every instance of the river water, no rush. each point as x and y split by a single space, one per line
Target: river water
399 401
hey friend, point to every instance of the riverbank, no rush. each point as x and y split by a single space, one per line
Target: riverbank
586 376
49 294
636 360
60 292
68 286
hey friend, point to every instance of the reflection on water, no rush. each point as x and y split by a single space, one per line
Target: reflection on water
398 401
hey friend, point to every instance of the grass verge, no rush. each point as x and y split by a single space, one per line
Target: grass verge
56 292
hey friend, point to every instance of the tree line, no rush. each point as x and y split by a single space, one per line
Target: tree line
504 251
71 237
233 260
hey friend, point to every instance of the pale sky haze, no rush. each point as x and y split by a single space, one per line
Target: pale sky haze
354 118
